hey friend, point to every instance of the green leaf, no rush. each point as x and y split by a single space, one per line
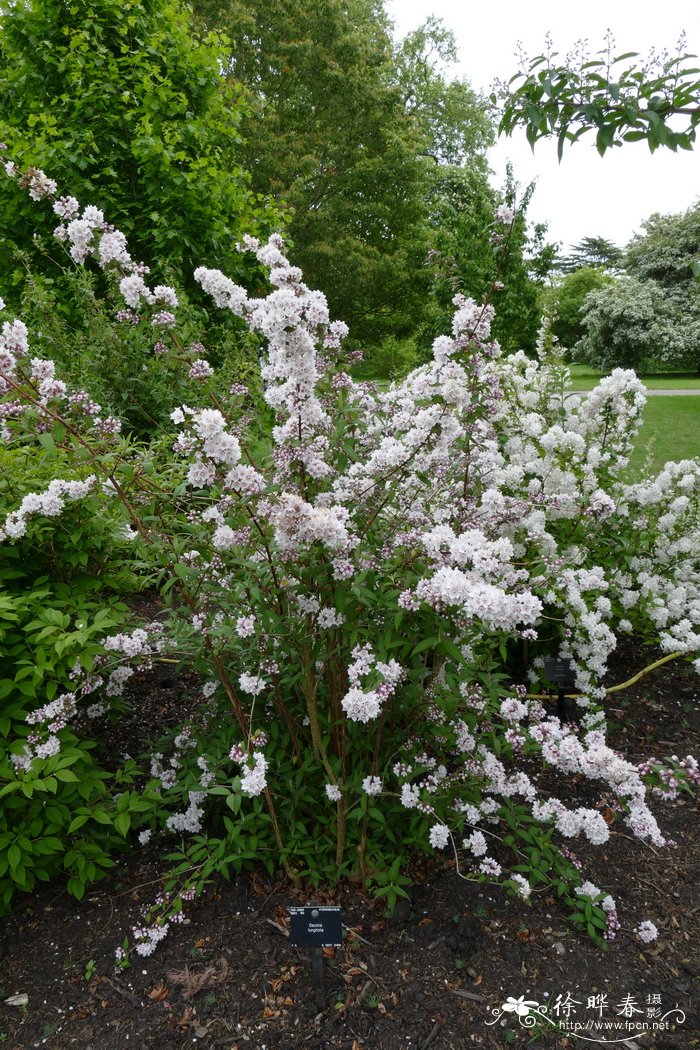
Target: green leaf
47 442
427 643
122 822
14 856
66 775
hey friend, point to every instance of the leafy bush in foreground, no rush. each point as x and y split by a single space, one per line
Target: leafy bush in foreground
357 591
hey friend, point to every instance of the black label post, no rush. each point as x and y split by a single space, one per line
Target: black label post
316 927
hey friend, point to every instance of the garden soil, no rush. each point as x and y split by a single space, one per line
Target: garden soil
436 974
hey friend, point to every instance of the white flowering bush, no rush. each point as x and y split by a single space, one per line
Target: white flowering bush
369 593
641 324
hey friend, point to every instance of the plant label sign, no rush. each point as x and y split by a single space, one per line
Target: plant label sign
558 669
316 927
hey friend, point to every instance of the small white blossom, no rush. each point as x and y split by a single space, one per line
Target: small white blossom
372 785
647 931
439 836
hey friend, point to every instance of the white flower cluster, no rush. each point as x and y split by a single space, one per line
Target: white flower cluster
253 779
88 234
298 524
359 703
647 931
49 503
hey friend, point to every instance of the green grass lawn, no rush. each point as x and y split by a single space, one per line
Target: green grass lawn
585 378
671 427
671 430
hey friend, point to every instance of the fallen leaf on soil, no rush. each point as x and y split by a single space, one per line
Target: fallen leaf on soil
159 992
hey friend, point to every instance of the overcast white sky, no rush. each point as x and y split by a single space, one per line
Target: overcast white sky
585 195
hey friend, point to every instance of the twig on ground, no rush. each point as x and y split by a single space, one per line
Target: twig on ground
133 999
433 1032
469 995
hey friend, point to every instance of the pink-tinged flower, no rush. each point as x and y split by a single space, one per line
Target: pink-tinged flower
505 214
361 706
200 369
245 626
252 684
163 319
476 843
372 785
253 781
39 184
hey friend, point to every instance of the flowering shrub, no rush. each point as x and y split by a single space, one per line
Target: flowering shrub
57 814
358 591
57 601
641 324
112 354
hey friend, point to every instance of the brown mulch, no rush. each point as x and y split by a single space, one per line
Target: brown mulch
430 976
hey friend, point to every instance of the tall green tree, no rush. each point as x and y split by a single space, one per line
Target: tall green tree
591 252
568 297
471 252
126 110
353 132
328 135
451 115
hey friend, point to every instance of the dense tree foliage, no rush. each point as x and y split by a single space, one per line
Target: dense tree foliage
374 157
567 299
667 249
622 98
121 105
380 157
473 254
328 135
452 118
651 319
634 324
